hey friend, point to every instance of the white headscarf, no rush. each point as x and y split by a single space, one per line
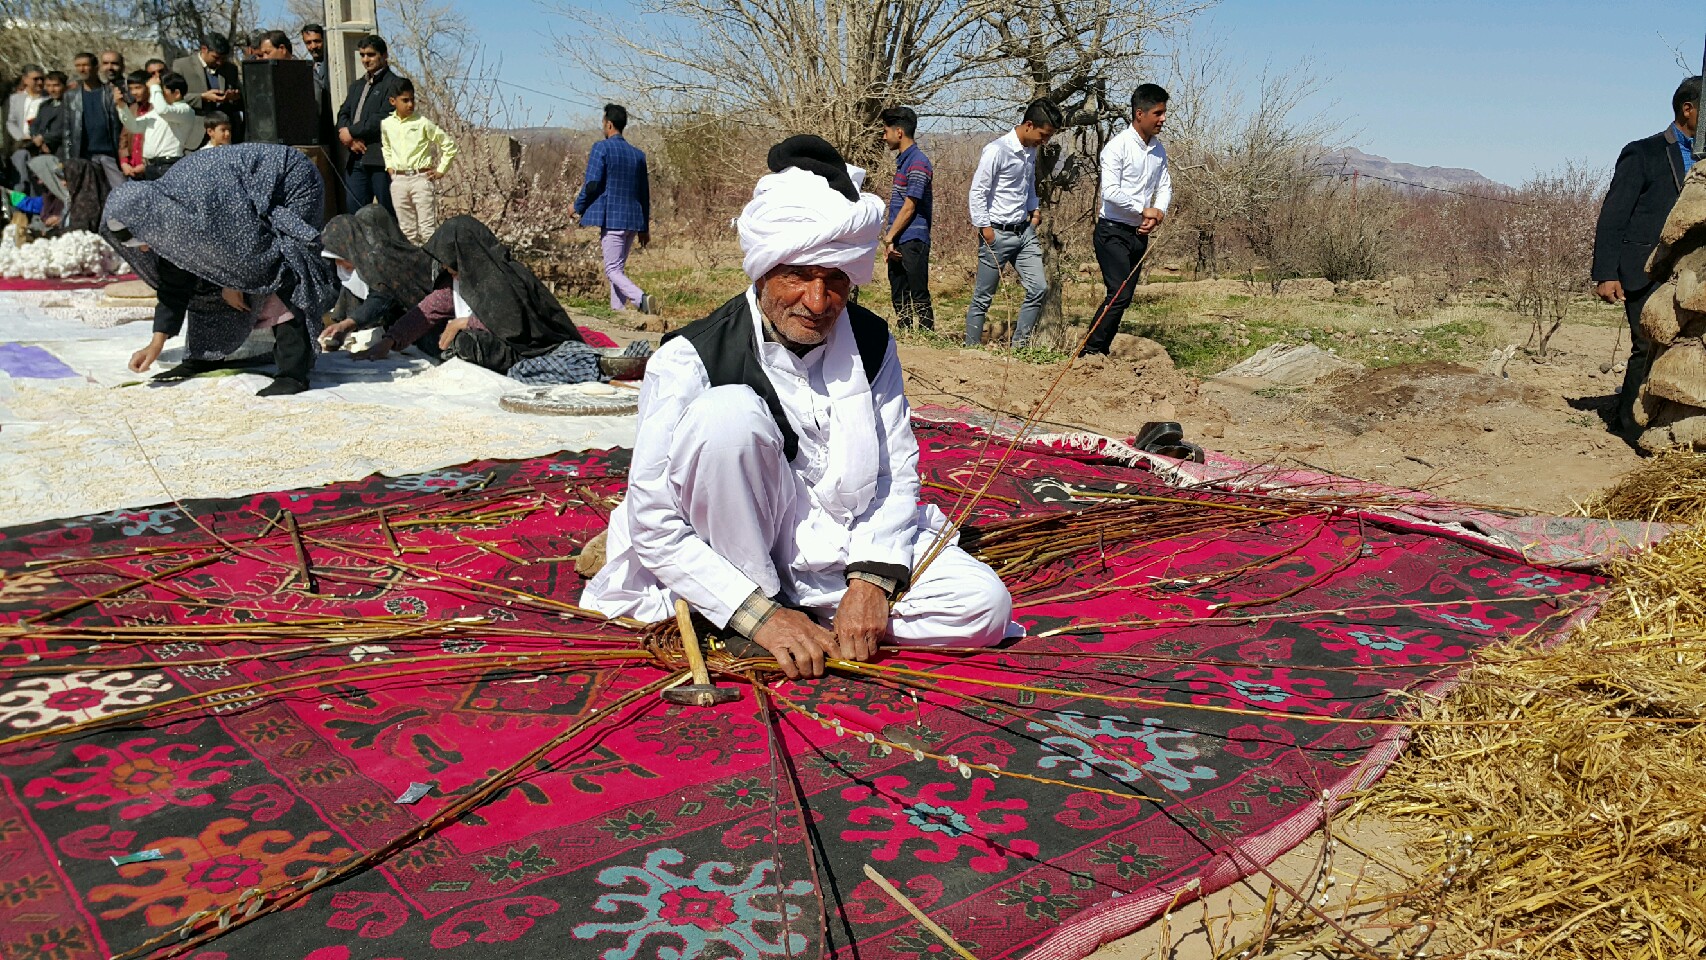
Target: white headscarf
796 218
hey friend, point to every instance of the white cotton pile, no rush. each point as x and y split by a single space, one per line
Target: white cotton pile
76 254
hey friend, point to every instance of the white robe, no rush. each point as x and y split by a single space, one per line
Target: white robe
708 466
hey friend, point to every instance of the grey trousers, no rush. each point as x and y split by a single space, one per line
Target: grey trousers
1026 255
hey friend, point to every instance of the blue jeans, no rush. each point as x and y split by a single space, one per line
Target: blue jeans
367 184
1026 255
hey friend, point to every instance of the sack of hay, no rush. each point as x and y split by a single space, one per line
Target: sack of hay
1649 408
1686 427
1690 209
1680 374
1691 281
1658 315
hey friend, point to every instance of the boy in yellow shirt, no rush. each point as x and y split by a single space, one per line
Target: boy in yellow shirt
407 139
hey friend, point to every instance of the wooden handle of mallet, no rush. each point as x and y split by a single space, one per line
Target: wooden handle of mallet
690 644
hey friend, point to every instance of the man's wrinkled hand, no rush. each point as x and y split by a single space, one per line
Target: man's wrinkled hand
1611 291
799 645
862 620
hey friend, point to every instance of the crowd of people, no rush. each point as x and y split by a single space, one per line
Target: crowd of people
74 137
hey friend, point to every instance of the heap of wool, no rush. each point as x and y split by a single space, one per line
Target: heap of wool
76 254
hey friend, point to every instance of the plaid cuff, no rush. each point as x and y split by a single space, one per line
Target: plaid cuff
753 613
887 585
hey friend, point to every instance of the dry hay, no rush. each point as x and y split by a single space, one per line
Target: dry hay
1668 488
1579 829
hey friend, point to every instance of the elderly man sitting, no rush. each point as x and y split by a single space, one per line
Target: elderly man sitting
774 482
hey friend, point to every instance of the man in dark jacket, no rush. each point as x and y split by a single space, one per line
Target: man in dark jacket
92 131
213 83
368 102
1643 189
617 199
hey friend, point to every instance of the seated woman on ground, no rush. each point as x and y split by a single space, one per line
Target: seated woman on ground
381 271
230 241
486 308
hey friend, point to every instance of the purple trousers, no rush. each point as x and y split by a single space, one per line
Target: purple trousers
616 244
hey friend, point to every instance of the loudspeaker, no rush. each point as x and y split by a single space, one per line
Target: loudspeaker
281 102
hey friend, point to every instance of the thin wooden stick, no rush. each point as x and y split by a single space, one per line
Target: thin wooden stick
390 537
306 571
917 914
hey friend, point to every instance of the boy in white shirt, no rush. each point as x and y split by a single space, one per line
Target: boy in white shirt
1004 210
169 129
1136 189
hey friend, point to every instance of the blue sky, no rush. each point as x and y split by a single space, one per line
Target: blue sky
1506 88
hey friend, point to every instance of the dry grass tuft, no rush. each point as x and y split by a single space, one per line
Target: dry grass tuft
1570 836
1668 488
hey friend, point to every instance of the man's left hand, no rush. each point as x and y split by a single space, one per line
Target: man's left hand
862 620
1152 218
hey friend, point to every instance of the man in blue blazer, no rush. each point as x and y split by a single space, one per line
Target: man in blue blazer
1644 187
617 199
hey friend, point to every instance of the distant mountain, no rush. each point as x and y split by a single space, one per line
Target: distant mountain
1441 178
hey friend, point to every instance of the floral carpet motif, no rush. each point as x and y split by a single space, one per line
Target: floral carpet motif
1004 793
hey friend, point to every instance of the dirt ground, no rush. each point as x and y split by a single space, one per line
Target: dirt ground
1535 441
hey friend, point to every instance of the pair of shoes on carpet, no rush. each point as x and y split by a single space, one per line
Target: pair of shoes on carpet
282 387
1166 438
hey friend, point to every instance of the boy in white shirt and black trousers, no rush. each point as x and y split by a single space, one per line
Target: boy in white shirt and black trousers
1136 189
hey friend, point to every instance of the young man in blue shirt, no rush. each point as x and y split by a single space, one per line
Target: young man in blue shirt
617 199
906 243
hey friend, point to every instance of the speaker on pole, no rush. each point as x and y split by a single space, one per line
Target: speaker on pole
281 102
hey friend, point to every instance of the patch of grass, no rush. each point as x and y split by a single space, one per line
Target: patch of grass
1276 392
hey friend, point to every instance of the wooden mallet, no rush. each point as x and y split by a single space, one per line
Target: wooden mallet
701 692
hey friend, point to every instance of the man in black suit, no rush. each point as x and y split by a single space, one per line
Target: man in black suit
1643 189
368 102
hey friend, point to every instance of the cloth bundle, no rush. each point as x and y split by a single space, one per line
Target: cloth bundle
571 362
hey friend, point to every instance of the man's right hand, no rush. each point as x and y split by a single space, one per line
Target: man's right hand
1611 291
988 234
797 642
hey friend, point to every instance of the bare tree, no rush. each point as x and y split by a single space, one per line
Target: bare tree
1547 248
821 66
1063 51
1246 172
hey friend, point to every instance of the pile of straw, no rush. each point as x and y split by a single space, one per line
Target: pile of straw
1581 830
1668 488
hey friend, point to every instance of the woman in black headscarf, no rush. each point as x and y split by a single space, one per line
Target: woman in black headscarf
229 239
380 270
493 311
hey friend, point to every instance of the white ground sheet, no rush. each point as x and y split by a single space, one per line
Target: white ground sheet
89 443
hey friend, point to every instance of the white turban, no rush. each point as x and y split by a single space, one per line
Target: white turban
796 218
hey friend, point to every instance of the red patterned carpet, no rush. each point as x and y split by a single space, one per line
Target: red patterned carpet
1203 668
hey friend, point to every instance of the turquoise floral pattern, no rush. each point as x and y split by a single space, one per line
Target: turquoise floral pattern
674 915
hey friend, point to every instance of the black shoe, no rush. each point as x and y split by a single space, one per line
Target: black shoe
190 368
281 387
1155 435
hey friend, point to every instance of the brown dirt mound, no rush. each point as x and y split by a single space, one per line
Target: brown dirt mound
1105 394
1430 387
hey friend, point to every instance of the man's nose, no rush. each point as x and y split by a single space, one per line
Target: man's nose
817 296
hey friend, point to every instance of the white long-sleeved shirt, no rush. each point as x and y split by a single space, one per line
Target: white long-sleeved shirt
1004 188
672 555
169 130
1134 178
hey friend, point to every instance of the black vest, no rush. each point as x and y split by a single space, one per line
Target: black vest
725 343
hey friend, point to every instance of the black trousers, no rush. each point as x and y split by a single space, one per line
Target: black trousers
1119 249
368 185
1640 359
291 350
909 285
155 169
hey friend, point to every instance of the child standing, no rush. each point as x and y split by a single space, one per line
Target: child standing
169 129
407 140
